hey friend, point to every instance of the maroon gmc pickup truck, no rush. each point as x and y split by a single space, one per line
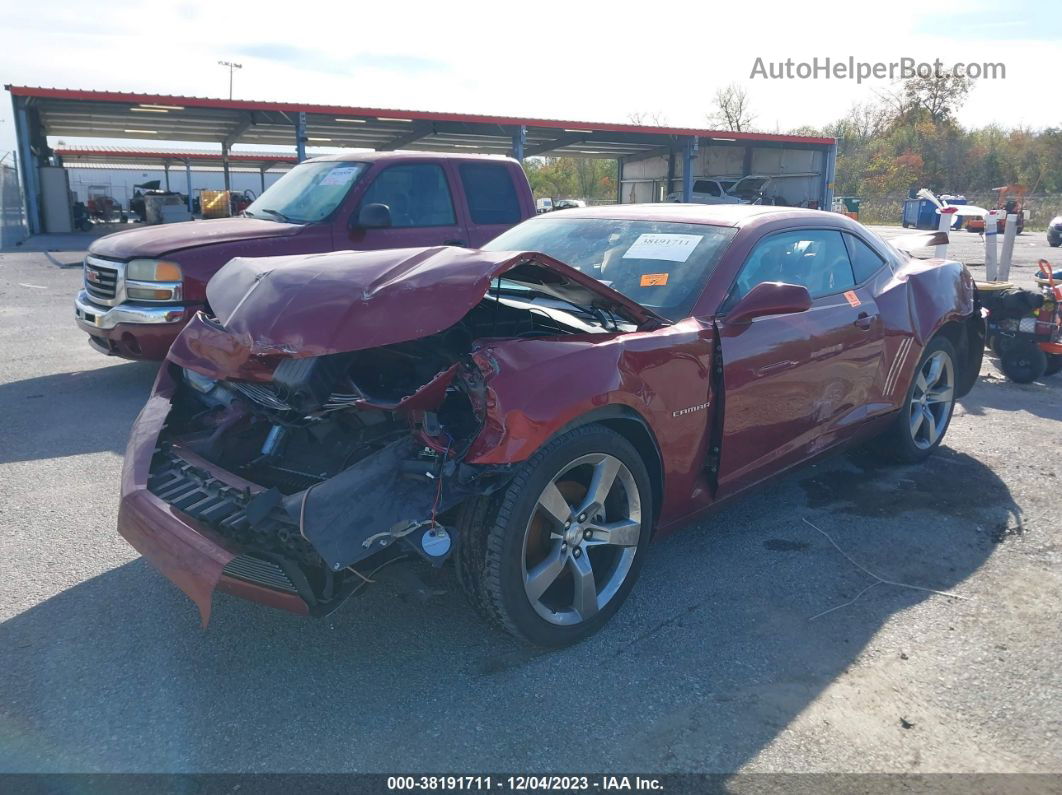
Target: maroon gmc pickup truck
143 285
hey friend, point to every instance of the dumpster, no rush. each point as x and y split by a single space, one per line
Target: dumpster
922 213
919 213
847 205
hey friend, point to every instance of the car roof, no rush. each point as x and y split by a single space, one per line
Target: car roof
369 156
710 214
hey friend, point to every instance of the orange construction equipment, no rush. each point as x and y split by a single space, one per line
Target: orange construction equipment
1011 199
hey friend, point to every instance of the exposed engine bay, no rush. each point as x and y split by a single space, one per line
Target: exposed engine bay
334 463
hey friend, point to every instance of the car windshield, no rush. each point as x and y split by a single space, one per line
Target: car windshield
307 193
662 266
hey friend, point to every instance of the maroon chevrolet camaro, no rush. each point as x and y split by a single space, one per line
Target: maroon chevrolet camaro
535 411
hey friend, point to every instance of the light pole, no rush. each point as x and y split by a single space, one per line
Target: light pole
232 67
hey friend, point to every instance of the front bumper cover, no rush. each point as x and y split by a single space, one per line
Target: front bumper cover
188 553
131 331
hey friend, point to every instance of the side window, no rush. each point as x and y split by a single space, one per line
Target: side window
814 258
865 260
491 196
416 193
706 186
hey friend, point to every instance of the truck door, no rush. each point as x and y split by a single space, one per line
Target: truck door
420 198
796 383
492 201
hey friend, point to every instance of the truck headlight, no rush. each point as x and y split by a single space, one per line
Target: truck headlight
153 280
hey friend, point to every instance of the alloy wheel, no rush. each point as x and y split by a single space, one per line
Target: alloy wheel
581 539
931 399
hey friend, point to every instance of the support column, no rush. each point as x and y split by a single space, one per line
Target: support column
188 180
671 171
687 168
166 173
225 163
261 174
619 180
828 177
300 136
29 165
519 143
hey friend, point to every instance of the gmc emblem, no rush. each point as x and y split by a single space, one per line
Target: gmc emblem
92 276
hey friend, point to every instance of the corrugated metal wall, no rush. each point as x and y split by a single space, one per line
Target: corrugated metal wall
646 180
12 215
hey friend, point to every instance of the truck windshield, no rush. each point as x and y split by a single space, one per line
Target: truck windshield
307 193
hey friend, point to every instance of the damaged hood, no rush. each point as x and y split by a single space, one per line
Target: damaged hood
312 305
155 241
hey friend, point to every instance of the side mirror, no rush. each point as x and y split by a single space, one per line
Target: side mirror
770 298
373 216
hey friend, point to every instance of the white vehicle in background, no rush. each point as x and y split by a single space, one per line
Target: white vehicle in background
715 190
567 204
543 206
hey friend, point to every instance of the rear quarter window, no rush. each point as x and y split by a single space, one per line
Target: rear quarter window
491 195
865 260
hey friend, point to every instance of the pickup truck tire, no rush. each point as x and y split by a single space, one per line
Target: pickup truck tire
552 556
920 425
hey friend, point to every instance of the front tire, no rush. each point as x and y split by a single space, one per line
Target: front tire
920 425
551 557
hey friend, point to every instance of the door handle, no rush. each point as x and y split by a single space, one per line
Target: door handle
454 242
864 321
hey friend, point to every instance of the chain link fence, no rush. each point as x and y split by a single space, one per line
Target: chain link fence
12 214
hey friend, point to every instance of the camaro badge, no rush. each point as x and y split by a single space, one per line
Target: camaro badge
690 410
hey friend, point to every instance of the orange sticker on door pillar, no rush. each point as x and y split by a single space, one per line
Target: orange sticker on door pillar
852 298
654 279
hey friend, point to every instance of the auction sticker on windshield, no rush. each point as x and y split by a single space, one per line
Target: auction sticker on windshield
673 248
339 176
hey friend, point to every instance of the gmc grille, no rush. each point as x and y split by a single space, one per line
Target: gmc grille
100 281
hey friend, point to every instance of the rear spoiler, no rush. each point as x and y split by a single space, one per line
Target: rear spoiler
908 243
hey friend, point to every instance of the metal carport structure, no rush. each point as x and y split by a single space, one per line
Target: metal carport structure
119 157
43 112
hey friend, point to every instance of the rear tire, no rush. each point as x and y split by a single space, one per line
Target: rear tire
919 426
1023 362
551 557
1054 363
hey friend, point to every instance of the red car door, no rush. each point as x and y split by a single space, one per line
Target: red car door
423 210
796 383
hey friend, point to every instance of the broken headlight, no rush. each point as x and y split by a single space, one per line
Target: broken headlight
199 382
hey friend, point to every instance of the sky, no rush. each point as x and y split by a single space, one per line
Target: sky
587 60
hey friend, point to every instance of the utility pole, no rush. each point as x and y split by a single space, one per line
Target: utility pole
232 67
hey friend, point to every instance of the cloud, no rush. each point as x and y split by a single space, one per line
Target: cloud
319 61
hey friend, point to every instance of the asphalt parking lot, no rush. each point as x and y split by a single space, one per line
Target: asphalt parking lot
714 664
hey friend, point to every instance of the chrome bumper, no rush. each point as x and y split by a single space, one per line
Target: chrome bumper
104 317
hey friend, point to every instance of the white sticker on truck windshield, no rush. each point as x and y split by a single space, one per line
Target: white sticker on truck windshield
339 176
673 248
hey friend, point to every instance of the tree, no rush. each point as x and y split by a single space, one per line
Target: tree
732 109
648 118
938 95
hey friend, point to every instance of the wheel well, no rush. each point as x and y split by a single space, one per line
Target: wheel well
636 432
967 336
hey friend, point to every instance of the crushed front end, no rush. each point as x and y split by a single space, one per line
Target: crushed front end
314 425
300 482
